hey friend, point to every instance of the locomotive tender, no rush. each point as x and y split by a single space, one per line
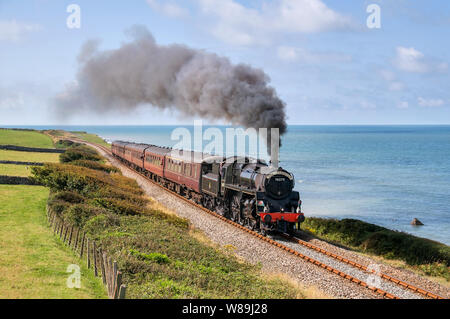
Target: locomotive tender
242 189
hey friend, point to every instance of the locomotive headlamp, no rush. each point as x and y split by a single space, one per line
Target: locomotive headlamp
301 218
267 219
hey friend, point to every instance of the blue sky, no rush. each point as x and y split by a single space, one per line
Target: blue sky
323 60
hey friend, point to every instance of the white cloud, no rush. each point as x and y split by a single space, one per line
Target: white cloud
430 102
391 79
403 105
387 75
168 8
412 60
14 31
291 54
396 86
237 24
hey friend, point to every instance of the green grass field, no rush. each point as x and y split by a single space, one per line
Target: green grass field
33 261
28 157
15 170
93 139
25 138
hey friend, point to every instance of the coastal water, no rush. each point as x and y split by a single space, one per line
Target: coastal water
385 175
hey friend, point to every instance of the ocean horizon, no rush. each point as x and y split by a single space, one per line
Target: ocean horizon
381 174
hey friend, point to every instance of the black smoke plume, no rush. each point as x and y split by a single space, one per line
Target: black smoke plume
194 82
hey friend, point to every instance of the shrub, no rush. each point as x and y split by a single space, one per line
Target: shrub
95 165
69 197
59 206
121 207
79 153
101 222
66 144
114 192
78 214
157 257
64 177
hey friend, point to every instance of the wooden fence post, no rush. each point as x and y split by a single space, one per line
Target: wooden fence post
54 225
117 284
102 264
94 254
76 239
88 253
114 274
110 275
61 231
66 229
122 291
70 236
82 245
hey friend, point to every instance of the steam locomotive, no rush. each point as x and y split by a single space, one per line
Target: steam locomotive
242 189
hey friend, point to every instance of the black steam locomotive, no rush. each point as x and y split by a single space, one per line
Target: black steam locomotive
242 189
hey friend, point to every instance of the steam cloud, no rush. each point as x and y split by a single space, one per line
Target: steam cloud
191 81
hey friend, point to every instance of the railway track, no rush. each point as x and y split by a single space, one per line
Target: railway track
358 269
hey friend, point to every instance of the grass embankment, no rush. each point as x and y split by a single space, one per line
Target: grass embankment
15 170
26 138
33 262
157 252
93 139
427 256
6 155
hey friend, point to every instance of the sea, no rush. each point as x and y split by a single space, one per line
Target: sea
385 175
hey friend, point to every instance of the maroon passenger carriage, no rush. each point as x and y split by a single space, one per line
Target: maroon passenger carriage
245 190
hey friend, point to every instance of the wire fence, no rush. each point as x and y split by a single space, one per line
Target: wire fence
86 248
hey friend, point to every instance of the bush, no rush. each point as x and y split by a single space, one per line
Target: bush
80 152
69 197
96 166
101 222
79 214
64 177
66 144
114 192
59 206
121 207
156 257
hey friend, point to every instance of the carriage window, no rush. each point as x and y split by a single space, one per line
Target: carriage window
187 169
